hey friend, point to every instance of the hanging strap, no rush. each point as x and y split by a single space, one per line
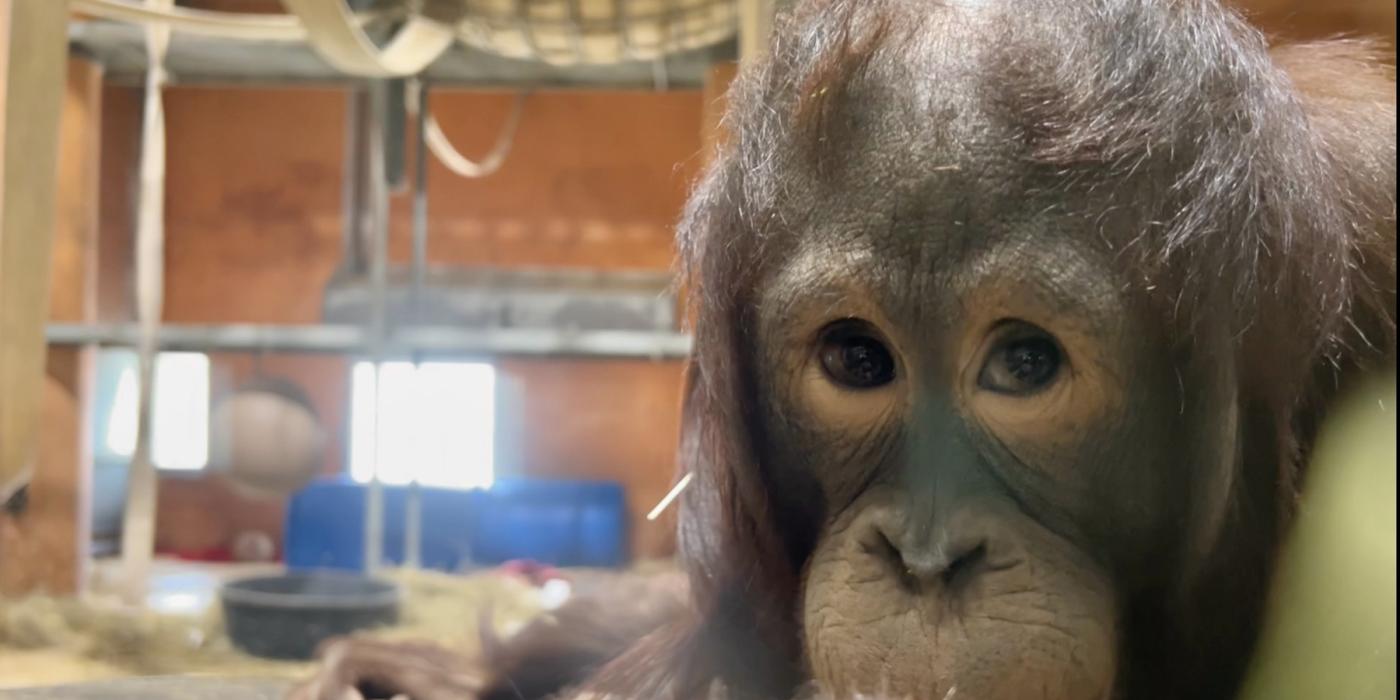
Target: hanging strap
441 147
338 38
138 520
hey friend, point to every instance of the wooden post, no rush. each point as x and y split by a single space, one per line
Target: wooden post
44 547
755 24
33 50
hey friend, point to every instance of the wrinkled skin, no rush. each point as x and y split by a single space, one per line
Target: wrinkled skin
995 501
1013 325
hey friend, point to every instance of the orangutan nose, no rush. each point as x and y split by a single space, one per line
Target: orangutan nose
949 562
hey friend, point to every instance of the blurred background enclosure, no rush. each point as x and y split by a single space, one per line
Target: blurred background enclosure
547 363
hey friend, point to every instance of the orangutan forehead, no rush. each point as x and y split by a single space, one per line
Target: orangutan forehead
1168 116
863 72
1072 82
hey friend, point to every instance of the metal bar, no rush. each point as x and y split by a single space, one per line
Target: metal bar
413 508
419 268
353 184
246 338
405 342
413 526
378 208
395 125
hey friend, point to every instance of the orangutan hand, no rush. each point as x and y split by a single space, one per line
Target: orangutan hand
355 668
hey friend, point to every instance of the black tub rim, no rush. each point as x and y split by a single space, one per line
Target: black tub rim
385 593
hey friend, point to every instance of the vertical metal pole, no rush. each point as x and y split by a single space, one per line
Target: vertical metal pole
352 257
395 127
378 206
420 199
353 188
413 510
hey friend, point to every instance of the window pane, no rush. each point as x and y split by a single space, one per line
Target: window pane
121 426
434 423
180 410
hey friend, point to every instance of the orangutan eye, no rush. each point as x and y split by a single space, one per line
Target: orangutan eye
854 357
1024 361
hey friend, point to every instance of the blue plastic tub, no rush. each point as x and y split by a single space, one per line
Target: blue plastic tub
564 523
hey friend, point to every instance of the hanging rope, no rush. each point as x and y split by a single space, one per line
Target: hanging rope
138 523
441 147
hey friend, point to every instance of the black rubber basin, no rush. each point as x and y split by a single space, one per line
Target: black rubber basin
286 617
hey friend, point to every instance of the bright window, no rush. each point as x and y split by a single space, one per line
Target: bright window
433 422
180 410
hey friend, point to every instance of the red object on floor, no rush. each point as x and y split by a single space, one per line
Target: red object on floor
536 573
219 555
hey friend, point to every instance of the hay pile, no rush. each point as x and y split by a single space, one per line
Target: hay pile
445 608
46 640
101 631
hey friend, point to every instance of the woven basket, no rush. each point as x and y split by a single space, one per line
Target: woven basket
595 32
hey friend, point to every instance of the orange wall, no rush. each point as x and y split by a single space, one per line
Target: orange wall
1313 19
253 219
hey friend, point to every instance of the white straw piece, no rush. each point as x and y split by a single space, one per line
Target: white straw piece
666 502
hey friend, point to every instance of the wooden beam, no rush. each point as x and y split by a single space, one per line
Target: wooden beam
33 51
755 24
45 546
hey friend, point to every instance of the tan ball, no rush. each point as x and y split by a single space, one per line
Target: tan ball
253 546
266 437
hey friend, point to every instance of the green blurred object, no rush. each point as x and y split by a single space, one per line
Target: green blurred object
1331 633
